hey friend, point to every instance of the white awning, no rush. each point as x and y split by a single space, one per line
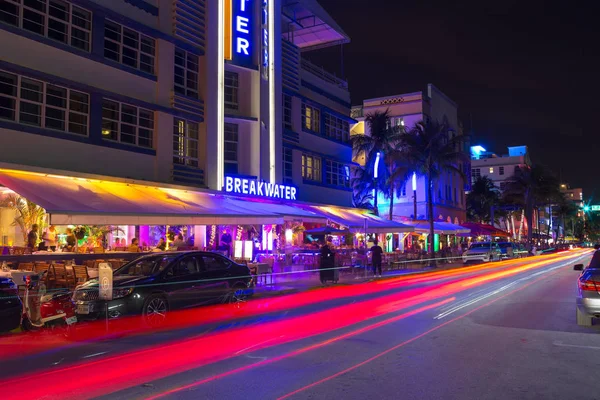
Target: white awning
81 201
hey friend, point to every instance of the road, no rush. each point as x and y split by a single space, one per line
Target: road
497 331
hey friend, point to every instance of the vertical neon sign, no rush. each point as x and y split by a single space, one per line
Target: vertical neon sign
265 39
240 25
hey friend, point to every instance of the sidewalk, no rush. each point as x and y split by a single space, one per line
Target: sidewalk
296 282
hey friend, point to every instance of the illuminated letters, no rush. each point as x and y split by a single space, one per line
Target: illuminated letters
259 188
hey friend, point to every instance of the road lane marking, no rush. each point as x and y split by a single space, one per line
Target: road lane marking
503 288
95 354
406 342
559 343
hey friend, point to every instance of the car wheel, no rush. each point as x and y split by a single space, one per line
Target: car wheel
155 310
583 319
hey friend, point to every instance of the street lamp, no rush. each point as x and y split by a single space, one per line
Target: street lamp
414 188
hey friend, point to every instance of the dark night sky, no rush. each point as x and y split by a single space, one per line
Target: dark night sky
525 71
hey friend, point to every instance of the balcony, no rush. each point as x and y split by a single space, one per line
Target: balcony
324 75
357 112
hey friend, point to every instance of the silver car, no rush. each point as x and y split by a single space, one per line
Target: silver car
588 294
482 252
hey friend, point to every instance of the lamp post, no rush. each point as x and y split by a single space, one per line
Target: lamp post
414 188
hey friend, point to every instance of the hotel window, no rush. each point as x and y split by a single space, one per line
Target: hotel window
288 165
311 118
185 143
476 173
501 170
311 168
127 124
37 103
502 185
55 19
186 73
337 174
491 170
287 111
336 128
129 47
231 148
232 85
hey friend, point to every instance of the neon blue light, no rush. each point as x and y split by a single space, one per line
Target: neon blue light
242 31
376 173
255 187
347 171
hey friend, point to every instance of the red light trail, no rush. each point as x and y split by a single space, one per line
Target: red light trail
140 366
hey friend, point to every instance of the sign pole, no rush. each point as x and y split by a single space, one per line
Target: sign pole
105 279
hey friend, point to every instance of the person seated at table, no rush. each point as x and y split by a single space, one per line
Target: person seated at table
118 243
135 246
178 242
162 244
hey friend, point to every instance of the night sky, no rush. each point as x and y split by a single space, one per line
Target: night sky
524 73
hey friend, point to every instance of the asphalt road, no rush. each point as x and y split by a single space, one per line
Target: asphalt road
503 332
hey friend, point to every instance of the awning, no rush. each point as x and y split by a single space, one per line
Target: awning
287 212
82 201
484 229
355 218
441 228
309 26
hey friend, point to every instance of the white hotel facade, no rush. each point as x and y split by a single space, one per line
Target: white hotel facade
180 93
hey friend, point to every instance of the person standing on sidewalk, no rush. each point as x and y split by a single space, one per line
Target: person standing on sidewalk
376 255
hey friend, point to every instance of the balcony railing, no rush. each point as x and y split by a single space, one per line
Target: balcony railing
321 73
357 112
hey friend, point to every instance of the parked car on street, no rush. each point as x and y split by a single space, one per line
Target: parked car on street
482 252
11 307
507 250
154 284
588 294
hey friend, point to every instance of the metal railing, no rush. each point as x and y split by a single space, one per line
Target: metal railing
325 75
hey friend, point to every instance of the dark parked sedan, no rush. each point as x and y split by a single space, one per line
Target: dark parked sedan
154 284
11 308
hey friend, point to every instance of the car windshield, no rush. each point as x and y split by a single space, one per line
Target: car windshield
145 266
481 245
505 245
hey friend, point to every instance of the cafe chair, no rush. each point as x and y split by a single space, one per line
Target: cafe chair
81 274
62 278
26 266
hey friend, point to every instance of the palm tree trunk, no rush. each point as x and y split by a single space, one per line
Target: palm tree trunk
430 217
375 207
393 193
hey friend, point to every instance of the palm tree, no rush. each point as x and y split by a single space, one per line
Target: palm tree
567 211
531 187
362 188
28 213
431 151
483 196
378 144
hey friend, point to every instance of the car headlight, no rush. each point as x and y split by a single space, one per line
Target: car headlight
118 293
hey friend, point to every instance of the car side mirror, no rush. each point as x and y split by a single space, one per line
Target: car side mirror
578 267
